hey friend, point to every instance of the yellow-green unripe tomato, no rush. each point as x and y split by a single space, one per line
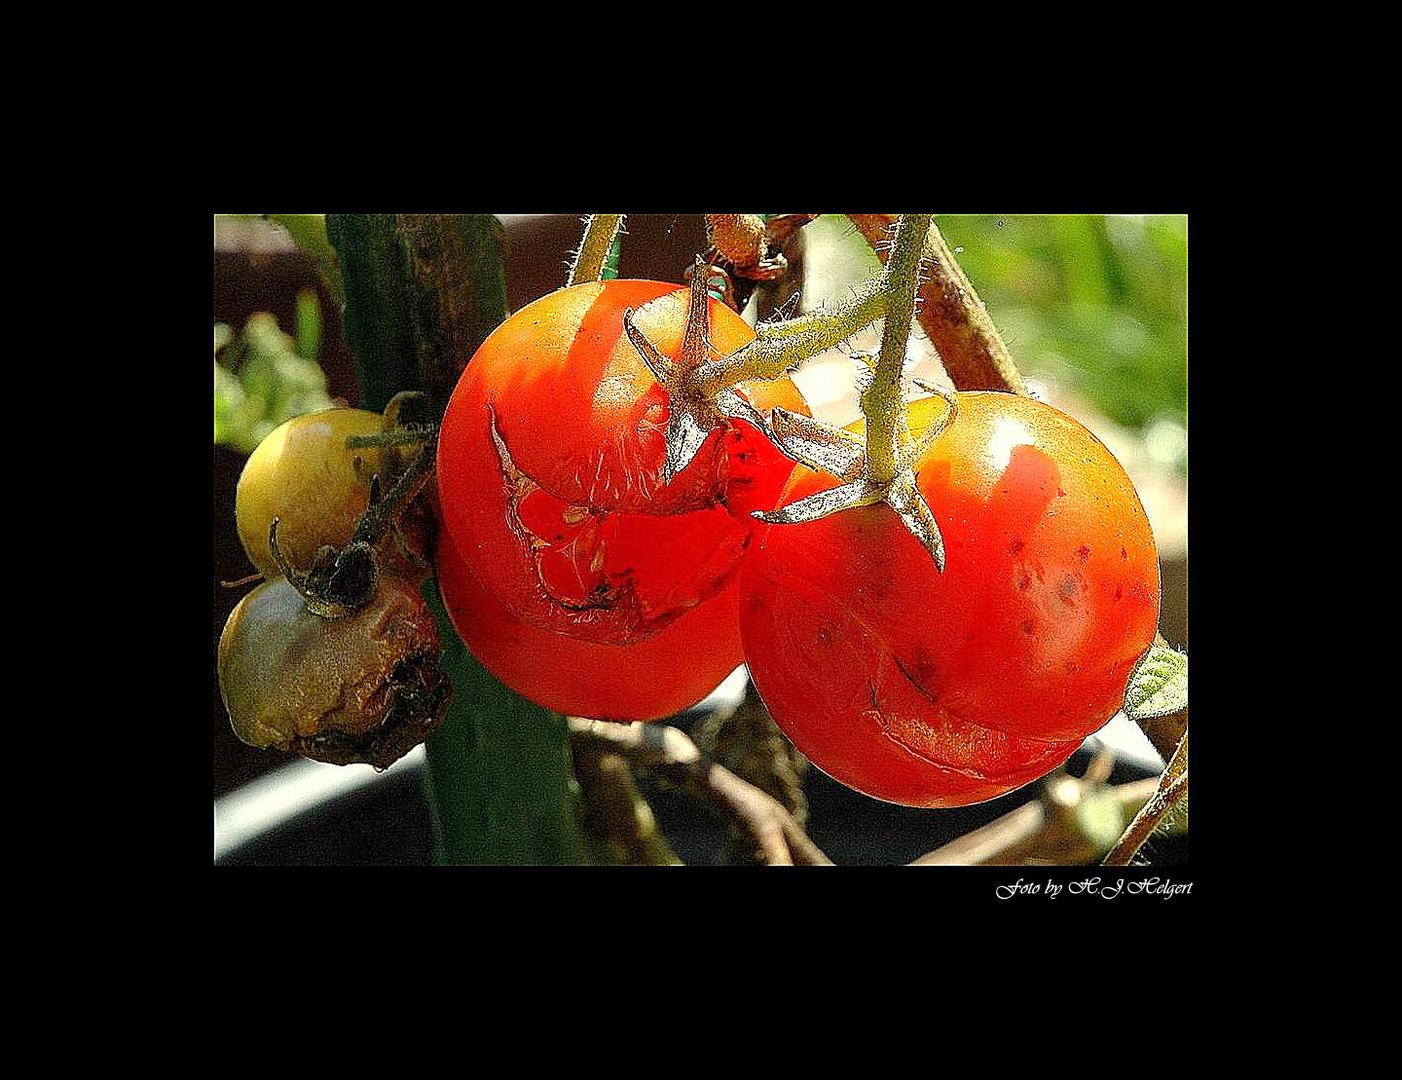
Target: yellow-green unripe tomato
304 475
363 688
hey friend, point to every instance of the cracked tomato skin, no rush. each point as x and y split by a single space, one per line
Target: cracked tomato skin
943 689
550 458
656 678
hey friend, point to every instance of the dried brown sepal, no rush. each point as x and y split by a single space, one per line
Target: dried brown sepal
820 446
338 582
663 368
692 413
685 434
746 250
341 581
824 448
905 499
822 503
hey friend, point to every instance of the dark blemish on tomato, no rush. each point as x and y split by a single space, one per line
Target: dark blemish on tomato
1119 592
1061 493
1027 626
1024 581
969 636
924 669
1067 590
1016 546
1124 554
1071 667
1083 553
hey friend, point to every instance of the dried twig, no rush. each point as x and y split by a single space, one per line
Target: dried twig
616 816
674 758
748 743
1171 793
1046 830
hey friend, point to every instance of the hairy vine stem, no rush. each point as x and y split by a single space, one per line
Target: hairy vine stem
599 232
882 404
1171 793
781 346
951 314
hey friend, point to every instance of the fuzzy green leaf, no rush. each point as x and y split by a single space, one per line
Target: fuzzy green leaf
1159 685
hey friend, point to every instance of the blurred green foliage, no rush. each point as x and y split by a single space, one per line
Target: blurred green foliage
1095 304
1098 303
263 376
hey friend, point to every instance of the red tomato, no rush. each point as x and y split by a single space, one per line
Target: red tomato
550 459
658 677
943 689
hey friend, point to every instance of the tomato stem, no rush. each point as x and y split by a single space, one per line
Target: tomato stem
952 315
380 515
882 403
781 346
599 233
406 437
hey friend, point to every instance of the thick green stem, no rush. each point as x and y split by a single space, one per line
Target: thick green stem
422 293
498 771
599 234
882 404
784 345
375 321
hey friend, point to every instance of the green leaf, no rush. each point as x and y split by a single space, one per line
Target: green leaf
1159 685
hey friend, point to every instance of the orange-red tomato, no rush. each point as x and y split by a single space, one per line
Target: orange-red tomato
550 460
942 689
658 677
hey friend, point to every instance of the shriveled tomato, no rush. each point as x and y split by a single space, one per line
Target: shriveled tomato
942 689
550 467
658 677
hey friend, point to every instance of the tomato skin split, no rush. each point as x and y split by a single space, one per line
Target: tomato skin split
656 678
942 689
